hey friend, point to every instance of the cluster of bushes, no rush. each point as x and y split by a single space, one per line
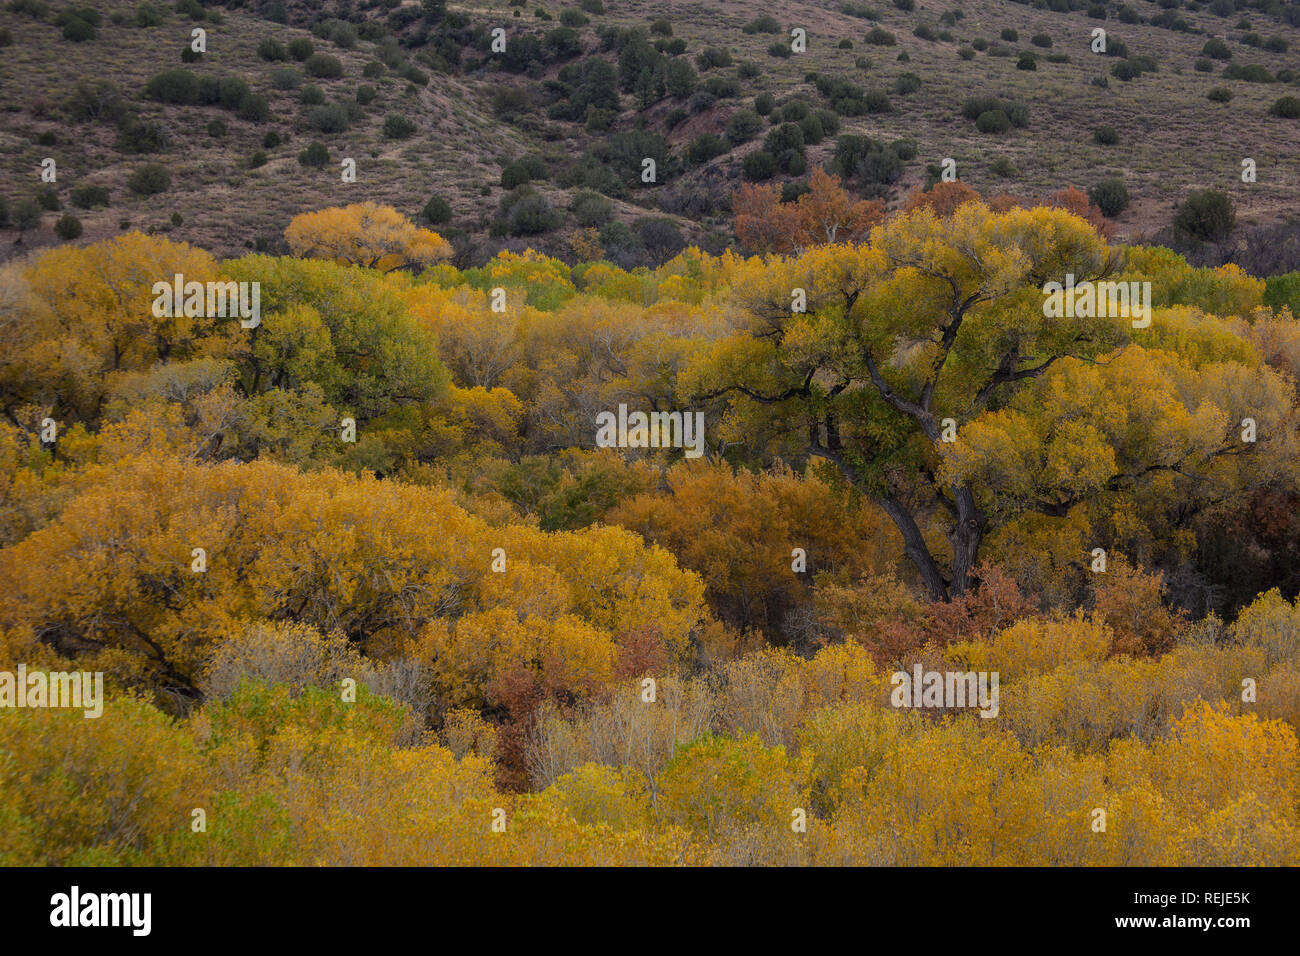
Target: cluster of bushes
992 115
185 88
1110 196
871 165
79 23
849 99
524 212
1206 215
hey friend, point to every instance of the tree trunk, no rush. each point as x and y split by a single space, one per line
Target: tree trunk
966 537
915 547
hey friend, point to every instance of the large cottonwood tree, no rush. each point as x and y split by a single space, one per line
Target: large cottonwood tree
911 348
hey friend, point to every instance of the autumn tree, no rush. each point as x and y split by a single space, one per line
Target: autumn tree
923 363
366 234
826 213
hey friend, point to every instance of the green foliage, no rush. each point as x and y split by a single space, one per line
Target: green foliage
314 156
67 227
150 179
1206 215
323 66
1110 196
397 126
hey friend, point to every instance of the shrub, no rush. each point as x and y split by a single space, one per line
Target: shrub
705 147
1110 196
763 24
1003 167
75 28
311 95
1287 107
743 125
711 57
271 140
149 15
217 128
784 137
138 137
722 87
880 37
1027 61
315 155
257 159
966 53
323 66
1203 65
907 83
413 74
67 227
180 87
1017 112
1205 215
1010 34
27 215
525 212
149 180
1219 94
975 105
1251 73
590 208
89 197
254 108
300 48
1283 291
332 118
758 166
924 31
764 103
515 173
272 49
700 102
1041 40
437 211
397 126
993 121
1216 49
366 94
779 48
286 78
1126 70
48 199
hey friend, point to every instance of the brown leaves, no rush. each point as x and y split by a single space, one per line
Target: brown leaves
825 214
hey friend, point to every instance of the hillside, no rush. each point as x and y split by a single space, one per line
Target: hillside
82 96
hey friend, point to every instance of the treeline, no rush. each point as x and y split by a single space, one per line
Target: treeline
364 591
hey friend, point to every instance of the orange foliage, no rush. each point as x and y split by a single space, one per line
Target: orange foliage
826 214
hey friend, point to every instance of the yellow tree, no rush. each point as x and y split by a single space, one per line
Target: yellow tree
929 370
366 234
